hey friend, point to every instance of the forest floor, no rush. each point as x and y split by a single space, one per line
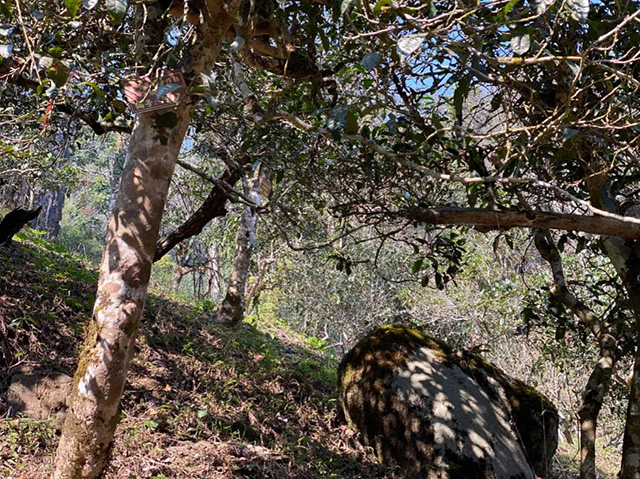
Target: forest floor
201 401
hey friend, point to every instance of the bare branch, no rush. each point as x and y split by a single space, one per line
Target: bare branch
506 219
212 207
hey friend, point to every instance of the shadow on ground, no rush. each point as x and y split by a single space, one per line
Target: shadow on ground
202 401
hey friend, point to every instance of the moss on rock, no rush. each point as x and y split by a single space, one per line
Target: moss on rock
398 384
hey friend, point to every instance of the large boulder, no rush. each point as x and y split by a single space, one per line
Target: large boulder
440 413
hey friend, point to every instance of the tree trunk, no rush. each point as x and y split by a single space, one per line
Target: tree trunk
625 258
94 401
231 310
177 277
252 297
53 200
214 284
631 443
599 380
122 289
593 396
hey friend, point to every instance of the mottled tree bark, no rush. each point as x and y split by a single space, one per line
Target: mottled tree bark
122 290
231 310
156 139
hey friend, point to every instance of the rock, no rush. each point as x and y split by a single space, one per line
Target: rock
40 395
438 413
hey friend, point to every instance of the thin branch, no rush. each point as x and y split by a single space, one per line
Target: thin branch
221 183
401 159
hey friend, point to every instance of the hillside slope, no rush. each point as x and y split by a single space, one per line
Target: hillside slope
201 401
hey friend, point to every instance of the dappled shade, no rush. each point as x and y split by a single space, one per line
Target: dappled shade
439 413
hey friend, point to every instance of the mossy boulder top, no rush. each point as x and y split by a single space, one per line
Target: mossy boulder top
441 413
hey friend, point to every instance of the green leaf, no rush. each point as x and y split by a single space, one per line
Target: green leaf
439 282
351 123
462 90
377 8
59 73
56 52
116 10
201 413
509 241
6 7
151 424
73 6
417 266
575 68
507 8
96 89
370 61
579 10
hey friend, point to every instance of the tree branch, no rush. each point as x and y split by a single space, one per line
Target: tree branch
212 207
506 219
220 183
600 378
10 72
403 159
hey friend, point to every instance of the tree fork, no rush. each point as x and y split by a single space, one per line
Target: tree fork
212 207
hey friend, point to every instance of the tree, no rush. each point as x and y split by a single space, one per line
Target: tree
156 139
551 145
233 306
376 122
